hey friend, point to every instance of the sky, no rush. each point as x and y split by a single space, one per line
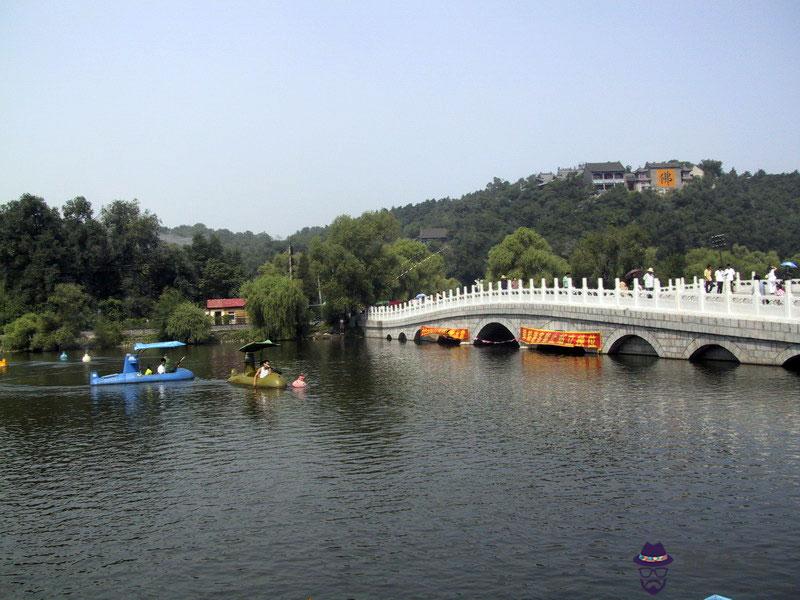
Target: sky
273 116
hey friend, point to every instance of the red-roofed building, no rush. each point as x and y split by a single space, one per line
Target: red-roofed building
227 310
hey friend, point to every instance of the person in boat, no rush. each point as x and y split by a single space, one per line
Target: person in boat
263 371
166 366
300 382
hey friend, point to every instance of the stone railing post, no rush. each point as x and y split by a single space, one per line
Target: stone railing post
544 291
556 290
636 292
585 291
601 293
726 288
617 297
788 298
701 297
656 292
531 291
678 293
756 298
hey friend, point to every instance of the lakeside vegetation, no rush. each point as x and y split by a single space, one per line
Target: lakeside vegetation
65 271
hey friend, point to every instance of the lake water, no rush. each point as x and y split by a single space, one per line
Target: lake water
403 471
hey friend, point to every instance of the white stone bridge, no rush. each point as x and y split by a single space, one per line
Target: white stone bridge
679 320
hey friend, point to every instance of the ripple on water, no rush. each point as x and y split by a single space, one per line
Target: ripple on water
403 471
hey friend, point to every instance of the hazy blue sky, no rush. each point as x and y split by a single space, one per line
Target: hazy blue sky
273 116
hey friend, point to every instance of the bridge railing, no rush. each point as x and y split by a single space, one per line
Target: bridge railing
743 298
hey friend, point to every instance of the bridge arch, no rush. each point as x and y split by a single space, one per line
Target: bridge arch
705 349
789 359
496 331
624 341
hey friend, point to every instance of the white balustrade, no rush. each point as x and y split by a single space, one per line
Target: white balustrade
745 299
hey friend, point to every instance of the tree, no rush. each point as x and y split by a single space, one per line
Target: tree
744 261
353 261
133 250
609 253
711 168
524 254
107 333
276 306
169 300
219 279
188 323
86 250
19 334
71 306
31 249
417 269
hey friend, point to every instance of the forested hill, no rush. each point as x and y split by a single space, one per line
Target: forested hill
254 248
761 212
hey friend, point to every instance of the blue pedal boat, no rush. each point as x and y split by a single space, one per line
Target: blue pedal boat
132 374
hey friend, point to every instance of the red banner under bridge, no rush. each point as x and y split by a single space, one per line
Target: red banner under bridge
567 339
451 333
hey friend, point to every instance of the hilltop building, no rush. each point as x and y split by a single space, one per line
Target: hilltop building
604 176
663 176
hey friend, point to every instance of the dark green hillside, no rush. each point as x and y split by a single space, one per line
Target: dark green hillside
761 212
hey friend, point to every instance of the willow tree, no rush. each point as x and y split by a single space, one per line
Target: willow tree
524 254
276 306
189 323
417 270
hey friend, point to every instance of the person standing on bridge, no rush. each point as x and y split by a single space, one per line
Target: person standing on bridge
649 280
719 277
707 278
730 276
772 280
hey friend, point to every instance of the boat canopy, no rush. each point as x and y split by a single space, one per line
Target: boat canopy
138 346
256 346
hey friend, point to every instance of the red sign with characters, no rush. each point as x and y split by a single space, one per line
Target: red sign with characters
456 334
567 339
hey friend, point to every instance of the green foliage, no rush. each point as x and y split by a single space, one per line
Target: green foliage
711 168
524 254
188 323
417 268
111 309
133 250
31 249
107 333
610 253
71 306
761 212
744 261
169 300
276 306
252 249
19 334
354 262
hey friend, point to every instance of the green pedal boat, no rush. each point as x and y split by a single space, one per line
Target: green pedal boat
273 380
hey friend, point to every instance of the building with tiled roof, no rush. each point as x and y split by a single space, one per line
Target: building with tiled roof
227 311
